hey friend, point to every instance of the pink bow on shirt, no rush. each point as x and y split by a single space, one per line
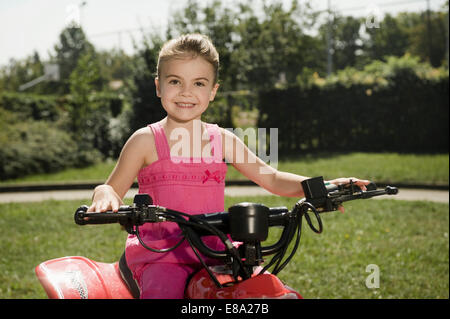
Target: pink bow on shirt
210 175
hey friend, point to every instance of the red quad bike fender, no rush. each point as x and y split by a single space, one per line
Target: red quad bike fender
77 277
264 286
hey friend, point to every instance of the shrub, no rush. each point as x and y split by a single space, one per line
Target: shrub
32 106
34 147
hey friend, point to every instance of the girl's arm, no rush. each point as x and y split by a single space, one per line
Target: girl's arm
277 182
134 155
251 166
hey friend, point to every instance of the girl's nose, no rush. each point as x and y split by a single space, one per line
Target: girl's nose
185 90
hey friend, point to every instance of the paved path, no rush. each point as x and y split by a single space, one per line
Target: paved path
404 194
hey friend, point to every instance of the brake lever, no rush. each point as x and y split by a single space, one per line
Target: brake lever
327 198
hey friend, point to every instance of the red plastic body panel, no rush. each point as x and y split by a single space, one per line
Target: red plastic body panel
78 277
258 287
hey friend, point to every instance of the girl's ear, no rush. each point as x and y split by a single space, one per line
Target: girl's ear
213 92
158 88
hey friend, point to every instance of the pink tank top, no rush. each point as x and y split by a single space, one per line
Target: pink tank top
189 185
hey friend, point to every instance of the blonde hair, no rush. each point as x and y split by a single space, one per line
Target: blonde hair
190 45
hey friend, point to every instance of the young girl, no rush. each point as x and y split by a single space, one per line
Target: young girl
191 182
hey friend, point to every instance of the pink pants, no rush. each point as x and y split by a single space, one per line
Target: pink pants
165 281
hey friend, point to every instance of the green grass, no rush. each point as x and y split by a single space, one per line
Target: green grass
407 240
94 173
384 167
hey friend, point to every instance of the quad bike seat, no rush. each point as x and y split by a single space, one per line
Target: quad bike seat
77 277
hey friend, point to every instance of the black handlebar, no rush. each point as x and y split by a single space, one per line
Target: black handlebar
323 197
138 216
246 222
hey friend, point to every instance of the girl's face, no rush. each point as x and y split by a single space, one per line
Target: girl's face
186 86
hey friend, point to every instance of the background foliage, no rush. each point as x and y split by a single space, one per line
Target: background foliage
399 106
388 90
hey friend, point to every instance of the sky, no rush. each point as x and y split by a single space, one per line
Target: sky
34 25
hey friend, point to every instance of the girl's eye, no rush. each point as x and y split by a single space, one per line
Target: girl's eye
174 82
199 84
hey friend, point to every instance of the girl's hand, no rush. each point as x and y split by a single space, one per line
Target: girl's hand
105 198
346 180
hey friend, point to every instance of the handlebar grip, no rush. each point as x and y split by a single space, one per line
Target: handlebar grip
80 213
391 190
332 187
82 217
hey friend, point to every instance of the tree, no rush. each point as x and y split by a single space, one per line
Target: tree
82 82
145 105
115 65
420 34
18 72
258 46
427 37
347 43
391 38
72 45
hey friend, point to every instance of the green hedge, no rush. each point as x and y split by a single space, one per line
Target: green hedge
32 106
402 112
37 135
32 147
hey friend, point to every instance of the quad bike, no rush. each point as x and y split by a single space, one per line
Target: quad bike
242 273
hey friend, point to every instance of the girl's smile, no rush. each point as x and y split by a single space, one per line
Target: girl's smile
185 105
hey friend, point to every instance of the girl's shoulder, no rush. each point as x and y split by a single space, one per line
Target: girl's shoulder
142 145
142 137
143 132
